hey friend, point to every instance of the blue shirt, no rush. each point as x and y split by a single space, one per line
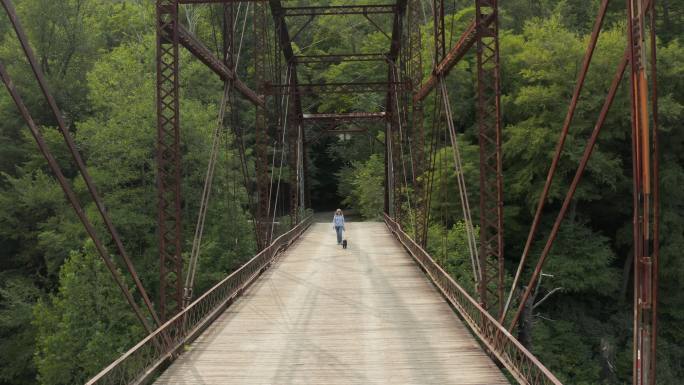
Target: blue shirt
338 220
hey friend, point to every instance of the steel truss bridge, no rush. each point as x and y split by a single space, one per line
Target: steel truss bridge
183 329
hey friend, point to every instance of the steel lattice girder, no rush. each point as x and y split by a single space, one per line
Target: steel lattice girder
168 160
345 117
295 110
417 129
336 88
204 54
261 128
369 9
491 184
455 54
338 58
199 2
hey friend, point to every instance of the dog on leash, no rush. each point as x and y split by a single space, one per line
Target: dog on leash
344 243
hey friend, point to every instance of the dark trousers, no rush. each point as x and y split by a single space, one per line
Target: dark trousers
339 230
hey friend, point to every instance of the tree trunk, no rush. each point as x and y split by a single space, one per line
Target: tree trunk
607 362
525 324
626 275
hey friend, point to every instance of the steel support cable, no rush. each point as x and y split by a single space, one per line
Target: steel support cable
573 186
656 190
73 150
401 147
238 133
282 149
275 151
401 151
71 197
444 186
390 169
204 201
434 138
300 167
462 191
244 23
559 149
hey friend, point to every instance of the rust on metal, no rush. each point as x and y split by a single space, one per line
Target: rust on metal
645 198
369 9
168 161
455 54
341 57
345 116
204 54
491 248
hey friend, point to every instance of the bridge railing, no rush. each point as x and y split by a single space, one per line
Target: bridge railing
521 364
143 361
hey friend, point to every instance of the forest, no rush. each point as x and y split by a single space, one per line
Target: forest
62 318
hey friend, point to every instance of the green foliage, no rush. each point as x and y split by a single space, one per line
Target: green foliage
450 249
362 184
17 336
85 325
581 261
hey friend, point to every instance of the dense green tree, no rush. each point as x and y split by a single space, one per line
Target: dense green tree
85 325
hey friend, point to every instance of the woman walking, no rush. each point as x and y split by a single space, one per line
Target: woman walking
338 225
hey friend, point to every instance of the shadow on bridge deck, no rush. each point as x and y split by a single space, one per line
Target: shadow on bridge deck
324 315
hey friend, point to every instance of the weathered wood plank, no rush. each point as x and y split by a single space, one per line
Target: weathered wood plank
323 315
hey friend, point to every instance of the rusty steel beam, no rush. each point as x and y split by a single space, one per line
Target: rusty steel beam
395 44
262 136
168 160
655 194
345 116
295 112
346 130
204 54
491 169
645 192
455 54
369 9
338 58
438 30
417 130
392 136
199 2
336 88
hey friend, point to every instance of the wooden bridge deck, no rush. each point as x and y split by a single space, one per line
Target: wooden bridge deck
323 315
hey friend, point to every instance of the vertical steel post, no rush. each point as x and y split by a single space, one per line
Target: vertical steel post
646 200
491 185
168 160
417 128
261 127
395 148
388 169
293 127
440 40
